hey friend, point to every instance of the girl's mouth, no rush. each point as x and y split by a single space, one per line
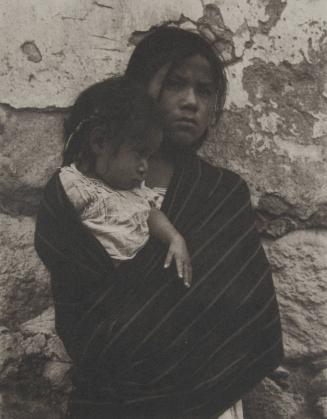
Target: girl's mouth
186 121
185 125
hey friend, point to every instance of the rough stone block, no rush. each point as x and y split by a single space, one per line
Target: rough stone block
322 407
88 41
299 265
269 401
31 145
24 281
319 384
35 370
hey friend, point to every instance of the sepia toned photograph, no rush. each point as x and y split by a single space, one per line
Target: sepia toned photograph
163 206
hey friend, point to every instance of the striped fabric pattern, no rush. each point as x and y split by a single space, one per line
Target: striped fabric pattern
143 345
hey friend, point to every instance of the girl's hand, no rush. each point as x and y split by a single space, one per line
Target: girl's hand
157 81
178 251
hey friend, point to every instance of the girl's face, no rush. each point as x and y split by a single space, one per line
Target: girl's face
188 99
127 167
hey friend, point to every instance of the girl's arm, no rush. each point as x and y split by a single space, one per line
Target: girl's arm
161 228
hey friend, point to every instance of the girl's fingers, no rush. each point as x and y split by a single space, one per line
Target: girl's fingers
168 259
157 81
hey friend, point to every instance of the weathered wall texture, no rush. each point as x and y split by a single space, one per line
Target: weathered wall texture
274 133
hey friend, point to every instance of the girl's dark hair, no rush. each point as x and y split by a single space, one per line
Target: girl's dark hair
168 44
121 108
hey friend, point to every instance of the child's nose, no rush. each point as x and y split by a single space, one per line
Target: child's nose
143 167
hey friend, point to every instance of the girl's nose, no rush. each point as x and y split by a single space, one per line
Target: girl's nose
190 98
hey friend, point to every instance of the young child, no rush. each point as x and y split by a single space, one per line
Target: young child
114 130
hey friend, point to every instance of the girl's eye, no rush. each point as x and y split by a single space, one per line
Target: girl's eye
174 83
205 91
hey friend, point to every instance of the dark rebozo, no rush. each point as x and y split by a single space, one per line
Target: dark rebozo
142 343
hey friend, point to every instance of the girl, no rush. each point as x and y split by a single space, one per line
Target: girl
142 345
117 129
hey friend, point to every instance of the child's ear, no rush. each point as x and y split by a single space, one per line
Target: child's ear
97 140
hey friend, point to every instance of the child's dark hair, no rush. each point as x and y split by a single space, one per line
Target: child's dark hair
121 108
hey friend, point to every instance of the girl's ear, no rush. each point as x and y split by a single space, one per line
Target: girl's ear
214 112
213 120
97 140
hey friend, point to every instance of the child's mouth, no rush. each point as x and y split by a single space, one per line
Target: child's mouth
136 182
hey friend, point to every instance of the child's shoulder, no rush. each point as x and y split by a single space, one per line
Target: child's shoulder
69 177
77 187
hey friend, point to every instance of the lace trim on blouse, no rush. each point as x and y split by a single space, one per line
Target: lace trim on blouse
117 218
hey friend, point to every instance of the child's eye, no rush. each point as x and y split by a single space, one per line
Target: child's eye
142 153
138 153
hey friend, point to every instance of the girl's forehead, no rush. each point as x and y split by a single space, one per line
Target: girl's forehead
195 65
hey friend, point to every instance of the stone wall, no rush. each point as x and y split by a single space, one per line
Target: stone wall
273 133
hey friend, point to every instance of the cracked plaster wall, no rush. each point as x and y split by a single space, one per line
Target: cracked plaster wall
273 133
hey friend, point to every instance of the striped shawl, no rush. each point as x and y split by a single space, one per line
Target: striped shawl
143 345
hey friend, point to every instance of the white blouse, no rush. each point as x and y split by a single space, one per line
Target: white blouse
117 218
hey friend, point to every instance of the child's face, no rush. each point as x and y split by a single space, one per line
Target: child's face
187 99
127 167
